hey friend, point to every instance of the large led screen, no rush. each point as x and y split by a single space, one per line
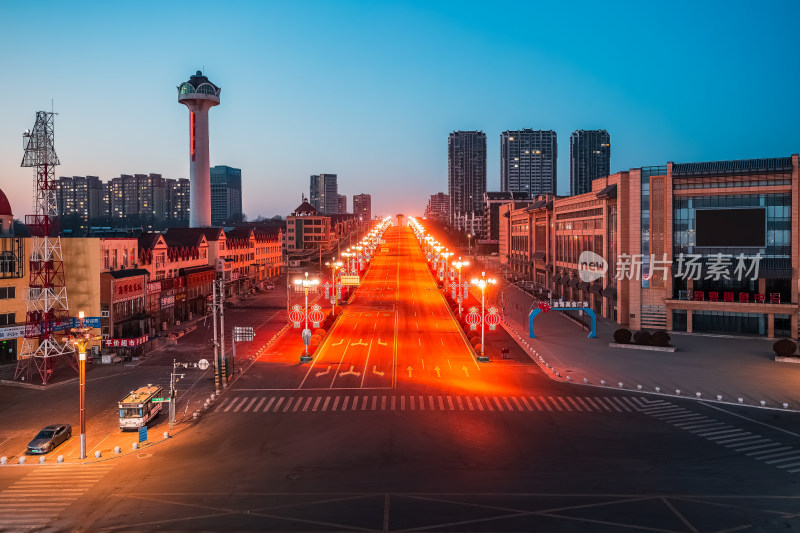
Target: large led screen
731 228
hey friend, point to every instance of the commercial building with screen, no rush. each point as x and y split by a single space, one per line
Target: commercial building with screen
708 247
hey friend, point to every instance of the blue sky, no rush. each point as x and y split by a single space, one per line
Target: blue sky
370 90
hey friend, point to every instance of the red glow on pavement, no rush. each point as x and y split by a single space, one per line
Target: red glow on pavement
398 332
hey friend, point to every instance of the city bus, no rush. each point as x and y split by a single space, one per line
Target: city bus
138 407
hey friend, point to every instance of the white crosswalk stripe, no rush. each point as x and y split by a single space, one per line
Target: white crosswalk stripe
749 444
498 404
31 503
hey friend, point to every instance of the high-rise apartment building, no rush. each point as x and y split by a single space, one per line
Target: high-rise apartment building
324 193
589 159
342 207
362 206
140 195
226 194
528 161
178 194
438 207
79 197
466 180
146 199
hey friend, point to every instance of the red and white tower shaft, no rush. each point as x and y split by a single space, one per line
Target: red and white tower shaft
199 95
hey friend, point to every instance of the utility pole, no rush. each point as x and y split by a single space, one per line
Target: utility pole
173 393
218 292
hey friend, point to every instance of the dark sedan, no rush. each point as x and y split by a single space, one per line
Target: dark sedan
49 438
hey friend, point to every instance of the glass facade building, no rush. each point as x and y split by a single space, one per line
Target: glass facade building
589 159
226 194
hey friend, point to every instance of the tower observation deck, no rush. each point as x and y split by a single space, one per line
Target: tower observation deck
199 95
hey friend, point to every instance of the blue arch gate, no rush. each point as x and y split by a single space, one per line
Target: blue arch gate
565 306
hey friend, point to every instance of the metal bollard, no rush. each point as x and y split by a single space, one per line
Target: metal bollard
741 400
3 460
60 459
22 460
639 387
166 434
719 397
135 445
117 449
602 382
697 394
658 389
678 392
97 454
785 405
620 384
42 459
586 380
763 403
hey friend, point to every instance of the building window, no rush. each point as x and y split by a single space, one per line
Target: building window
8 319
8 293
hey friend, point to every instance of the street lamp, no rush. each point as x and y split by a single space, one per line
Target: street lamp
482 283
80 337
334 265
306 284
469 243
459 265
445 257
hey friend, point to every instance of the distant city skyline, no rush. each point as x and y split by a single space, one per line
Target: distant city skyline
390 69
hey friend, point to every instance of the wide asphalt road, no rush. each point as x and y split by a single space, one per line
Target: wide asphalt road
499 447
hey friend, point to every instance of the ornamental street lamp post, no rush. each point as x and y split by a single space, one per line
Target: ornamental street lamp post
459 265
80 337
334 265
306 284
482 283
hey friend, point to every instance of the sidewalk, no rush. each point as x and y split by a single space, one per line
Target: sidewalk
731 367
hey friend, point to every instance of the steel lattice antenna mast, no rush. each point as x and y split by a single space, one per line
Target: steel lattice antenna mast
46 302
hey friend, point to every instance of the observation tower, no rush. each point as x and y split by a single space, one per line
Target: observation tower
199 95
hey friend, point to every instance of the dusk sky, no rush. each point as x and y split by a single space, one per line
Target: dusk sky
370 90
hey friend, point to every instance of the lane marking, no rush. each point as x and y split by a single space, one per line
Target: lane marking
257 407
366 363
277 405
249 405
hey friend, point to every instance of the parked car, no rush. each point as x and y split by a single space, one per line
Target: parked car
49 438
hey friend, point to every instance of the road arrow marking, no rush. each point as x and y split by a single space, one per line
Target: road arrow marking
409 370
338 343
466 370
375 371
381 343
438 372
324 373
359 343
350 372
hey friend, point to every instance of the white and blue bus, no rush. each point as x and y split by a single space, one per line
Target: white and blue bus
139 407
